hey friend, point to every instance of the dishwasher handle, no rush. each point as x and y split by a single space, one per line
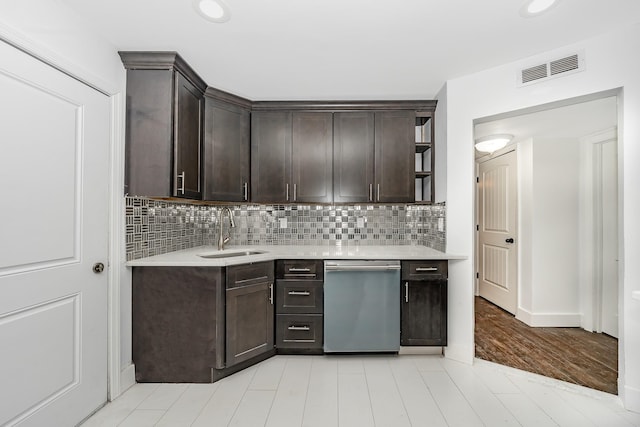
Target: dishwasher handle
362 267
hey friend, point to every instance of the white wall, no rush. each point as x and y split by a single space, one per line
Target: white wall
549 214
611 63
53 32
440 146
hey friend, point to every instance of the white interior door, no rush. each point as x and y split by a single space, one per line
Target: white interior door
497 234
609 236
54 226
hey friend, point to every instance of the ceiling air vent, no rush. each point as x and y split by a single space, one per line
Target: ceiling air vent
556 68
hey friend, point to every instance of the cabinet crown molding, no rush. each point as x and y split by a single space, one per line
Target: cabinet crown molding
413 105
162 60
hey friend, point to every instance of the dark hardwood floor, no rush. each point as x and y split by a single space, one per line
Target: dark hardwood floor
568 354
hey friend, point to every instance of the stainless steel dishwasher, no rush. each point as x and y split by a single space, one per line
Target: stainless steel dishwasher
361 306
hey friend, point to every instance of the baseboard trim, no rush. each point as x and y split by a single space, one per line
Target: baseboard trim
420 350
460 353
631 398
549 320
127 378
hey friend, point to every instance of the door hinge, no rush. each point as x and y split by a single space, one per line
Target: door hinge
477 275
477 227
477 179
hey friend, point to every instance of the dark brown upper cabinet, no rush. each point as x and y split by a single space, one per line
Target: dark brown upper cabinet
165 106
311 157
270 156
353 152
394 156
226 150
374 156
291 157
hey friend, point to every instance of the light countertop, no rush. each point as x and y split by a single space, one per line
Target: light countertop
190 257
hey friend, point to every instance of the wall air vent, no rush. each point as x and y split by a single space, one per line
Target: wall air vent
564 65
534 73
556 68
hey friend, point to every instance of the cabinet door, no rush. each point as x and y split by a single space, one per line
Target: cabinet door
189 104
149 133
424 313
311 158
226 152
271 156
353 152
178 323
395 156
249 321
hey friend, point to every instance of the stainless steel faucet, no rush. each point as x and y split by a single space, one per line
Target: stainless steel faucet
223 240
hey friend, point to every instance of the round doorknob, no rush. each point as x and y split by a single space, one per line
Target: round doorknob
98 267
509 240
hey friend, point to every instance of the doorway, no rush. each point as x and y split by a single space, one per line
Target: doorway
567 220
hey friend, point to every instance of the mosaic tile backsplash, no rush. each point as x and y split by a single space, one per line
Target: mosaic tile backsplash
155 227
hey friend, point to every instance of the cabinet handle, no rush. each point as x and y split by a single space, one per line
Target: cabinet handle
295 195
302 293
299 328
246 191
287 191
371 192
299 270
271 293
426 269
406 292
181 176
378 192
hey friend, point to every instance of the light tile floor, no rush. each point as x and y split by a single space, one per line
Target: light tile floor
360 391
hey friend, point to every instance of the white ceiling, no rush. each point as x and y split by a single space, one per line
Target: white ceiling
349 49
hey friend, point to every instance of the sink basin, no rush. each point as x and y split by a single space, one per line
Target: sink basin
230 254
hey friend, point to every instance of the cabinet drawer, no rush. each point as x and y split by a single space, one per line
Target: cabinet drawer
249 274
424 270
299 296
310 269
302 331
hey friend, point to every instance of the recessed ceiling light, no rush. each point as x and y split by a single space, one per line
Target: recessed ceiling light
536 7
491 143
212 10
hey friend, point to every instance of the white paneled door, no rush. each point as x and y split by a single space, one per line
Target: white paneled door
54 163
497 234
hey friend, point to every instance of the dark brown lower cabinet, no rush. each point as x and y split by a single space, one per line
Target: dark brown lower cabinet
299 307
249 300
299 331
423 310
178 323
200 324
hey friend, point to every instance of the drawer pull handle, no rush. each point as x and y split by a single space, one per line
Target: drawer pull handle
182 177
299 328
299 270
406 292
427 269
301 293
271 293
298 275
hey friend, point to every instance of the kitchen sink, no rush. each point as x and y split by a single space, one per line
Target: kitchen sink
230 254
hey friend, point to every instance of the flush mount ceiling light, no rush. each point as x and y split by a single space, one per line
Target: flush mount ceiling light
536 7
491 143
212 10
